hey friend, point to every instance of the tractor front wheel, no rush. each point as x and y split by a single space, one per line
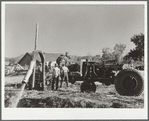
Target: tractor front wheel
88 87
129 83
72 80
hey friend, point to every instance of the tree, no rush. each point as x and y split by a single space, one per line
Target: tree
119 48
106 50
115 54
106 53
98 56
138 40
118 51
138 51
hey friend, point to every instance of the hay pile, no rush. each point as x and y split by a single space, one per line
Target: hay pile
56 102
71 97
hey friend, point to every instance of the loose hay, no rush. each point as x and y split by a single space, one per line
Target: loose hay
71 97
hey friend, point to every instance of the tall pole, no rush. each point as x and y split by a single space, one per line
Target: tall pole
36 36
34 70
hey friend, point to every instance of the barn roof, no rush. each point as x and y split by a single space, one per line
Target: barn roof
27 54
51 56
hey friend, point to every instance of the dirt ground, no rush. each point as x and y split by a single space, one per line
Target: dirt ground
71 97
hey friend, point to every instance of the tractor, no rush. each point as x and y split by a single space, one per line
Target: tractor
128 82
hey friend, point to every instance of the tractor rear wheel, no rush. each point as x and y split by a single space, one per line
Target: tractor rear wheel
88 87
129 83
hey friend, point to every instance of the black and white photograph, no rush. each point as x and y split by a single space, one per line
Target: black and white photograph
74 60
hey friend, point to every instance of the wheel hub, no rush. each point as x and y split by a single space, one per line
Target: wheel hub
130 83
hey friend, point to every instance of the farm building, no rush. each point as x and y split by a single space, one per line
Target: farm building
25 60
49 57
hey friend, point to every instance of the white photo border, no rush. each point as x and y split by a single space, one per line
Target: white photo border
67 114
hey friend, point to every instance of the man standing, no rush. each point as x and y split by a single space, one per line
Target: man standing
49 75
65 75
56 74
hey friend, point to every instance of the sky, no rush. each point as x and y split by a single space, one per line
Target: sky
78 29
